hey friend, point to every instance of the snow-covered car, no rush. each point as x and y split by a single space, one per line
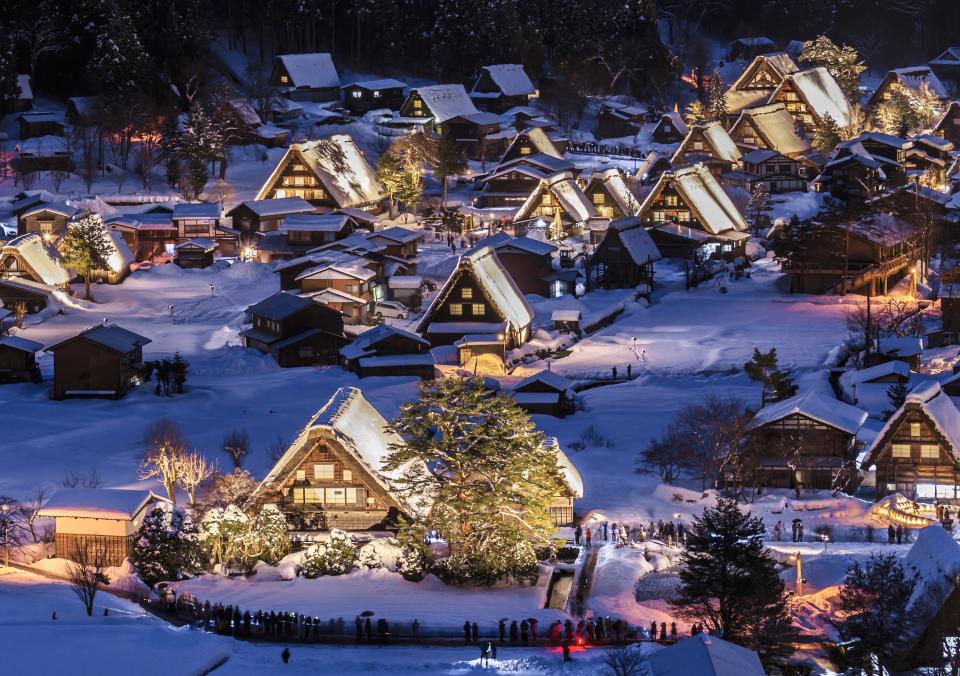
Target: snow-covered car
391 308
8 230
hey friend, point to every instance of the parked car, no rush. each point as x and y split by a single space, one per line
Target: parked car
8 230
391 308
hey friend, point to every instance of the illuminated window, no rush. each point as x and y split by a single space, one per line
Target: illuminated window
598 198
351 496
336 496
417 104
914 429
659 216
298 167
46 227
683 216
671 200
298 180
667 128
323 471
547 199
284 79
929 451
478 309
900 450
357 94
348 475
301 475
698 145
280 193
456 309
466 293
524 150
376 94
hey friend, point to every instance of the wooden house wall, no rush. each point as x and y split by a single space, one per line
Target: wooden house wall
949 308
11 295
42 222
817 441
797 107
949 127
296 179
613 267
83 365
669 205
470 307
17 365
390 97
527 270
903 474
603 202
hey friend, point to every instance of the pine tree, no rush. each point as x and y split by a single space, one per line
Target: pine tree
775 385
826 134
897 114
270 533
9 85
875 597
897 395
843 63
447 160
758 207
166 547
178 372
557 231
695 112
492 478
717 98
87 248
729 583
401 180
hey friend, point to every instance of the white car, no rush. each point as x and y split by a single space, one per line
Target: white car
391 308
8 230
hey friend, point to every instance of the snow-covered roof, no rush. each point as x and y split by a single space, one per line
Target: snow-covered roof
718 137
676 119
279 306
758 41
339 165
278 206
405 282
385 83
915 77
18 343
446 101
780 62
332 295
503 240
813 405
204 243
884 229
362 431
613 181
565 316
86 106
121 257
705 655
948 57
776 127
311 71
495 283
636 239
26 285
361 345
702 193
204 210
892 367
396 234
60 208
934 560
337 270
314 223
822 93
98 503
110 336
43 146
938 408
26 91
571 476
511 78
45 261
548 378
539 140
568 194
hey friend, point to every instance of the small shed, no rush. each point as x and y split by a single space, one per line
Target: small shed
15 290
484 352
194 253
545 392
102 522
406 289
18 362
360 97
38 123
566 321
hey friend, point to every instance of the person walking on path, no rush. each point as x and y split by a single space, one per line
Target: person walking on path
577 534
673 632
514 632
899 534
653 630
793 525
358 623
891 534
533 629
777 530
503 630
475 632
466 631
663 632
524 632
800 531
285 655
606 532
368 629
589 534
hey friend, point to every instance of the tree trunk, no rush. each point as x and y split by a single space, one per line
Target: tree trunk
86 287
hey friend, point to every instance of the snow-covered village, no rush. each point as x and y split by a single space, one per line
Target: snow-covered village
480 336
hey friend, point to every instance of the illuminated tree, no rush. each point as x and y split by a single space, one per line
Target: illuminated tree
695 112
826 134
843 63
717 98
87 248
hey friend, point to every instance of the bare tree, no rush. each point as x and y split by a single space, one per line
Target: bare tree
164 455
88 479
19 310
227 489
263 94
709 439
40 34
624 661
194 471
57 177
87 572
148 154
87 141
40 531
236 444
13 530
276 449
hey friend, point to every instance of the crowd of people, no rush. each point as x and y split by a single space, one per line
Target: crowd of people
623 534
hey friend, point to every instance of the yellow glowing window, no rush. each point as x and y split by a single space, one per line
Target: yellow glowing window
456 309
547 199
478 309
466 293
524 150
348 476
323 471
284 79
900 450
914 429
301 475
598 198
671 200
929 451
683 216
417 104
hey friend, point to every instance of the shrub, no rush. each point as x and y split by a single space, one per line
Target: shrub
332 557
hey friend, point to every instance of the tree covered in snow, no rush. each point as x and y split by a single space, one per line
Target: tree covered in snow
826 134
843 62
717 98
333 556
166 546
897 114
492 479
87 248
194 145
874 597
401 179
224 489
758 207
896 395
232 539
730 584
269 530
9 86
119 59
775 383
695 112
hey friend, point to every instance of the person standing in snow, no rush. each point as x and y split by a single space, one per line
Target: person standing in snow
485 655
891 534
514 632
777 530
533 629
466 631
285 655
368 629
800 531
899 534
503 630
524 632
589 534
673 632
663 632
358 624
475 632
577 534
416 627
606 531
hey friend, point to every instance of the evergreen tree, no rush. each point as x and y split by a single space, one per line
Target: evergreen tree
875 597
87 248
775 385
197 145
270 533
826 134
446 160
897 395
717 98
695 112
897 114
491 477
557 231
401 180
9 85
729 583
166 547
178 372
843 63
758 207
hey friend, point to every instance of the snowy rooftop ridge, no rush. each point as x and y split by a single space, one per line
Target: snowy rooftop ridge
446 101
822 93
511 78
571 476
935 561
312 71
776 127
98 503
812 405
700 190
45 261
705 655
